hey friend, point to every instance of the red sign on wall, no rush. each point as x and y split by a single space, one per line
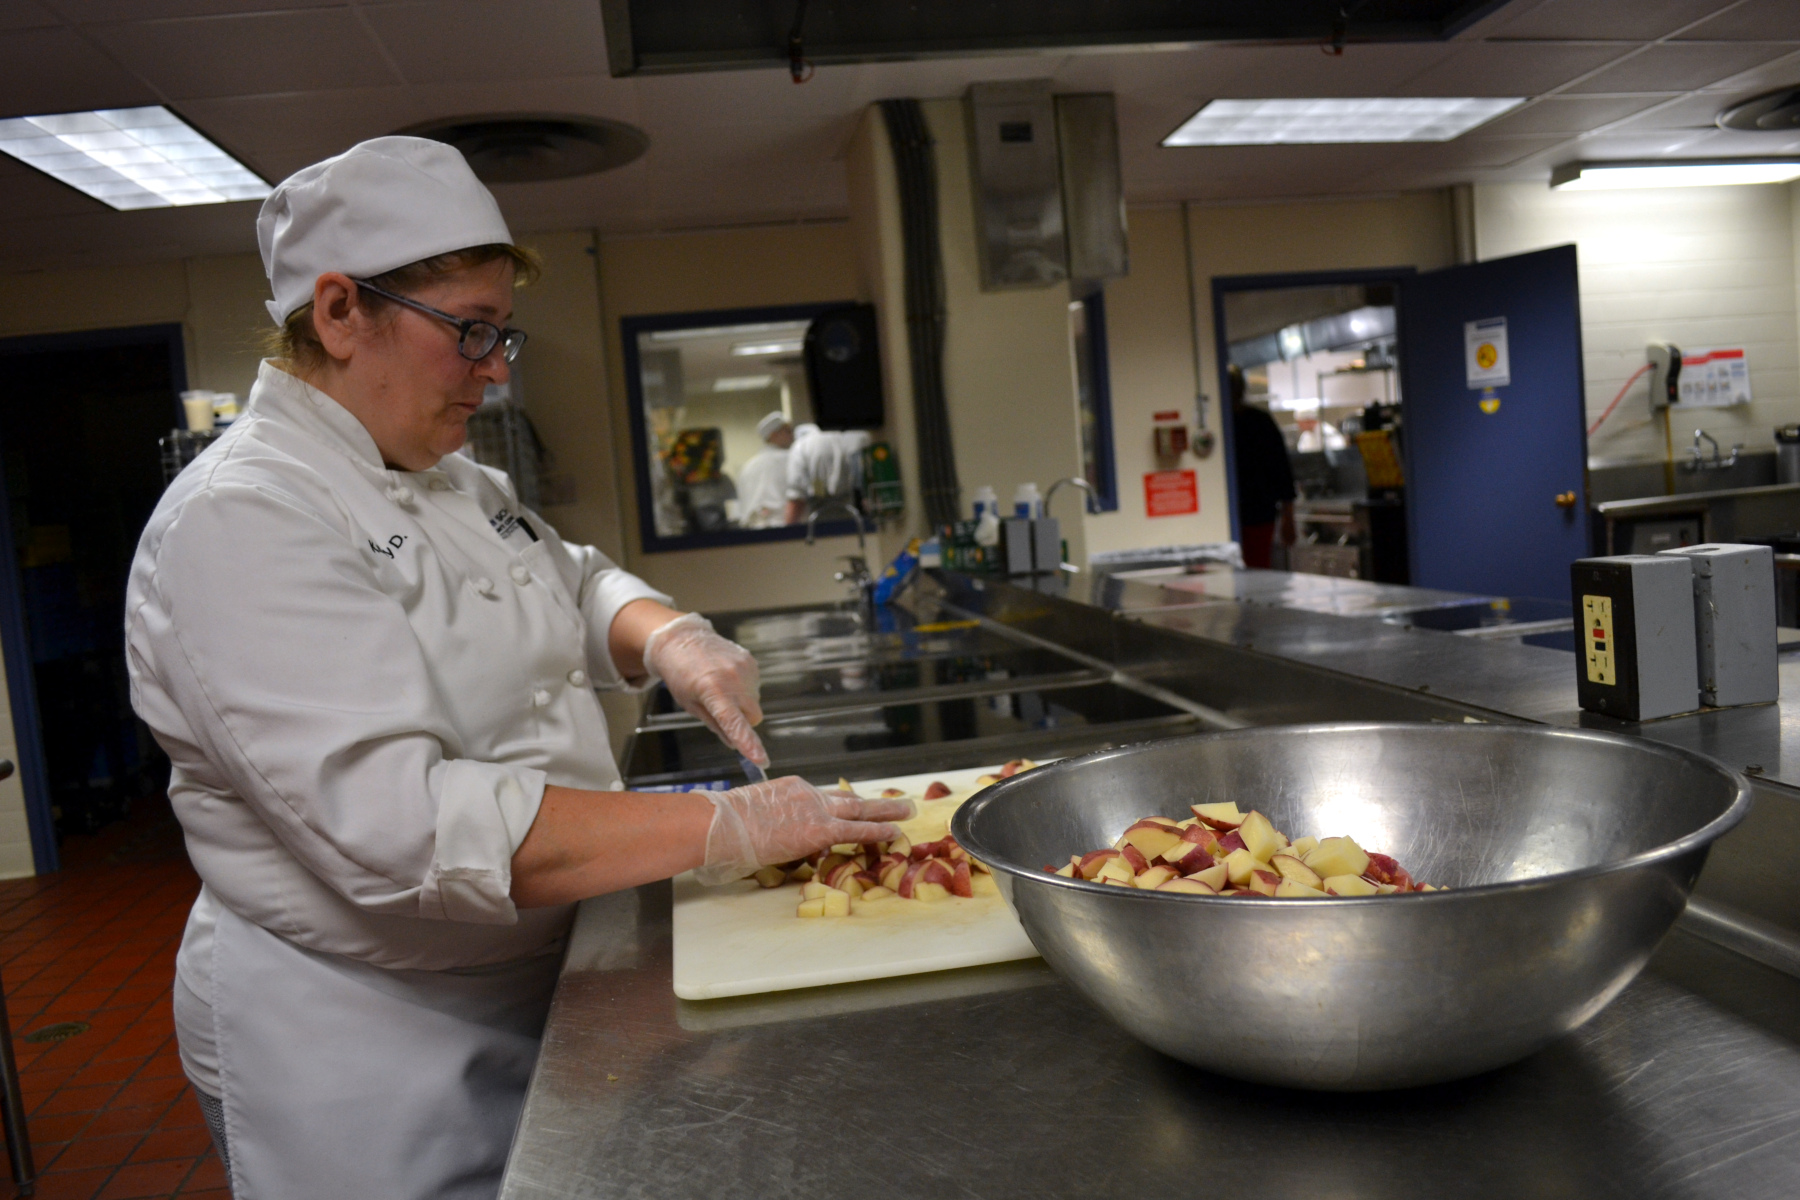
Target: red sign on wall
1171 494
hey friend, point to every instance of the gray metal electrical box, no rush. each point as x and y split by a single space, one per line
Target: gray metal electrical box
1093 189
1635 623
1018 184
1734 622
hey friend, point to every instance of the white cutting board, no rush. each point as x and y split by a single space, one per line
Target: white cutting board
741 939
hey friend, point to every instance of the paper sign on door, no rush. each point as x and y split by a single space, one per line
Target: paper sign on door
1484 353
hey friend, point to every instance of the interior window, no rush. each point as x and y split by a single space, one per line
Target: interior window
719 401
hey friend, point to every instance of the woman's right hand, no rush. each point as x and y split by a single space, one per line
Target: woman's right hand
788 818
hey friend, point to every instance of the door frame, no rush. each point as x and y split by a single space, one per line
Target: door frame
1223 284
15 639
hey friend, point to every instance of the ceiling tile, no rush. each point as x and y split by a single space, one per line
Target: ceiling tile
464 40
1679 66
56 70
26 14
88 11
1631 20
1556 114
1509 69
1754 21
304 51
1698 110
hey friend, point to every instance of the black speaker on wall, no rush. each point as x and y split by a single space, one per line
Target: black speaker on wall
843 368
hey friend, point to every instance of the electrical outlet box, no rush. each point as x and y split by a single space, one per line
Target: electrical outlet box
1637 658
1734 622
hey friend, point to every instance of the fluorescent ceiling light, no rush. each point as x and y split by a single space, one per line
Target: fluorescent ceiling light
742 383
1672 173
131 158
762 331
1298 122
781 347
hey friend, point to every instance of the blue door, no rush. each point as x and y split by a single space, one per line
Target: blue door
1495 441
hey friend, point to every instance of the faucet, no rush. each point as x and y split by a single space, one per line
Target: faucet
856 571
1698 461
812 521
1077 481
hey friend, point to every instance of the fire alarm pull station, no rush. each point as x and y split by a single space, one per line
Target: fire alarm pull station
1169 439
1637 659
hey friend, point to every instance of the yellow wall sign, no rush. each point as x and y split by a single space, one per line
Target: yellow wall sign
1597 638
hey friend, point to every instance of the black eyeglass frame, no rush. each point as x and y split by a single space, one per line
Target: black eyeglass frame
494 335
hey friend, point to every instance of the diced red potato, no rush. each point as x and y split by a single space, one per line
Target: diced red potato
936 790
1219 816
961 883
770 877
1224 851
891 793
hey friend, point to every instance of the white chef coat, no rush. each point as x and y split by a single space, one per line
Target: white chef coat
823 463
762 488
364 679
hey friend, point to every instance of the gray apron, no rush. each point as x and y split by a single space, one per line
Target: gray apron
344 1079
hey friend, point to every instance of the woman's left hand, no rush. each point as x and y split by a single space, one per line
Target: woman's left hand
713 678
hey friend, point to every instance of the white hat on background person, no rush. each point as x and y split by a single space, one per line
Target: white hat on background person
766 427
379 205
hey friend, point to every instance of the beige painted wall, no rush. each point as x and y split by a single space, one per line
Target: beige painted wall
876 236
1152 370
1710 266
720 269
1009 374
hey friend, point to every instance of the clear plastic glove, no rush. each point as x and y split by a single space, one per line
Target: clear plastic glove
785 819
713 678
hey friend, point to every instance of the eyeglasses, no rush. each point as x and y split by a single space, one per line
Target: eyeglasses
478 338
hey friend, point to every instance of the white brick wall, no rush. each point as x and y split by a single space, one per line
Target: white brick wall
1694 266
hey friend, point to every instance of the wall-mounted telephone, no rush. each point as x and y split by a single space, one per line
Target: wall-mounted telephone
1665 374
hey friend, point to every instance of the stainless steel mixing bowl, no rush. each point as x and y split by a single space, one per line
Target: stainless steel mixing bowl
1570 853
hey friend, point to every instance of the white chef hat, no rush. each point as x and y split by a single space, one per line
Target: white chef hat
379 205
770 424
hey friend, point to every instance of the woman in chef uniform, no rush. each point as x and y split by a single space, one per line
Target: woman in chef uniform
374 673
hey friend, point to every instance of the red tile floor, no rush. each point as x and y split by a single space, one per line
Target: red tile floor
112 1116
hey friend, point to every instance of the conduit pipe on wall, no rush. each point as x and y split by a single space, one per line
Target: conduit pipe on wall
916 173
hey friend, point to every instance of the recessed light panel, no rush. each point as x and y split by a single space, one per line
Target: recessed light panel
1576 177
784 346
1300 122
131 158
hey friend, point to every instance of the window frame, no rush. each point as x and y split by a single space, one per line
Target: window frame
1106 492
630 328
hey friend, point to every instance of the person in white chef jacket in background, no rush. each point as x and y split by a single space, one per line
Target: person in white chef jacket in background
374 674
823 465
762 484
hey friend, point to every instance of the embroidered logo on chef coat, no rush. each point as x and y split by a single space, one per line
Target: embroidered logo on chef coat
393 544
506 524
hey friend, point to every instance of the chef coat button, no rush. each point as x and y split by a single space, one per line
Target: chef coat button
399 493
578 677
440 485
484 586
521 575
617 785
541 698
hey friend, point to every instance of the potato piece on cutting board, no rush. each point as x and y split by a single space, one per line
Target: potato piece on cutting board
742 939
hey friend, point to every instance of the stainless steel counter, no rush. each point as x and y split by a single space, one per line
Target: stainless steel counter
998 1082
1001 1082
